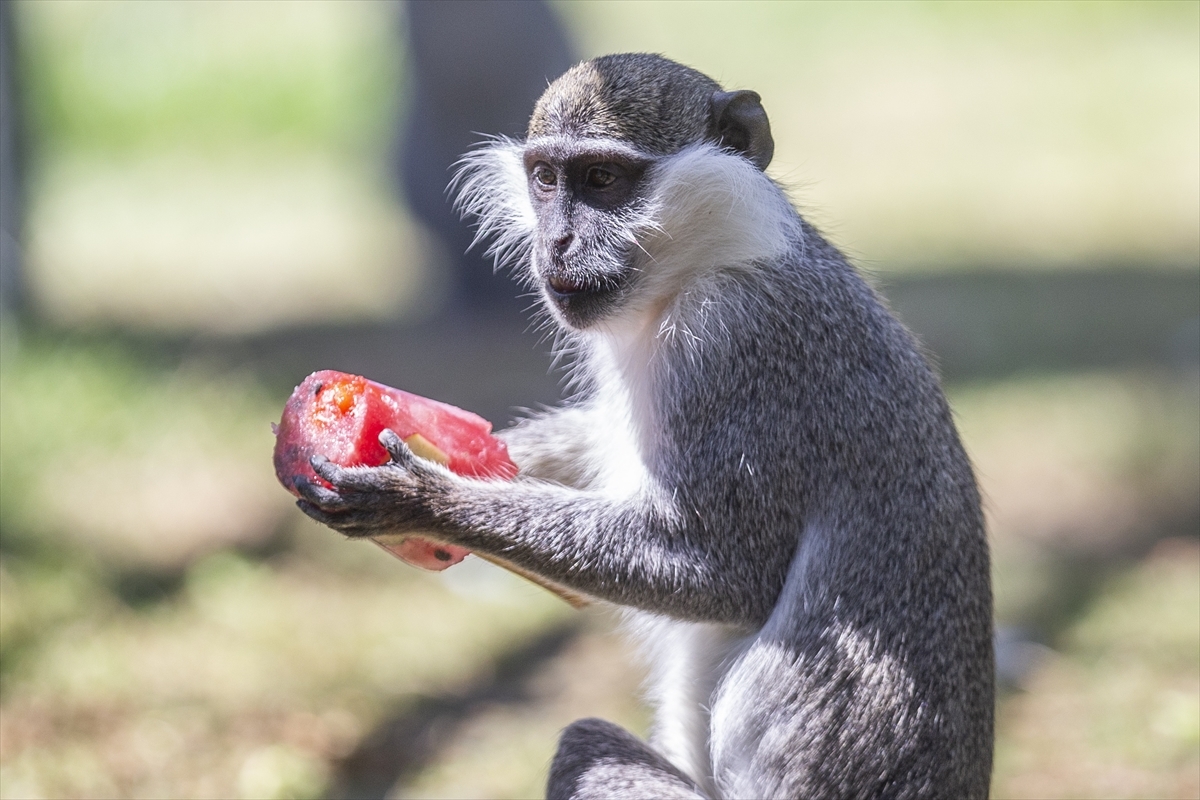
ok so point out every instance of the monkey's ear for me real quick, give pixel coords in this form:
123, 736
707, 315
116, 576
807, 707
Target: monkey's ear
737, 121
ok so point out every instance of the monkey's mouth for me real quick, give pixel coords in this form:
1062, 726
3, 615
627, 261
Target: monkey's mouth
583, 278
565, 287
586, 297
582, 300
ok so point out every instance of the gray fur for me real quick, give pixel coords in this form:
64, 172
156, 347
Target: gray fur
598, 761
655, 104
758, 450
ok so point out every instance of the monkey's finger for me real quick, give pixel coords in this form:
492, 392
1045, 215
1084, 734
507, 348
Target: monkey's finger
400, 452
347, 522
345, 479
318, 495
320, 515
327, 469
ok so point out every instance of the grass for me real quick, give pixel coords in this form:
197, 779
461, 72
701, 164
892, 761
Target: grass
112, 78
1116, 713
228, 244
210, 165
169, 626
257, 660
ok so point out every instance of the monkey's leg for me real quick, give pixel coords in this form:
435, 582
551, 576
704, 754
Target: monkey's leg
597, 760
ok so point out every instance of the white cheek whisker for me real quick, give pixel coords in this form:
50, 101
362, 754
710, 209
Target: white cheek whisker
489, 184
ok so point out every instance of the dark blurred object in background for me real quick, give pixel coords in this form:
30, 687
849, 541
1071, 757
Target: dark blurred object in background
477, 67
11, 184
992, 322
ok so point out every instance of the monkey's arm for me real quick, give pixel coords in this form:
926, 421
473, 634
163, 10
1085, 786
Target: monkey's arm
635, 551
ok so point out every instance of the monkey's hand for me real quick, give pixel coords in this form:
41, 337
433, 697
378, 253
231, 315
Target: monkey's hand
397, 497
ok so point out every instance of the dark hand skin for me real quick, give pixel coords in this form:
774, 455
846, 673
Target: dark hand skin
370, 501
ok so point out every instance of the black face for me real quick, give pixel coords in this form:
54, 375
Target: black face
587, 200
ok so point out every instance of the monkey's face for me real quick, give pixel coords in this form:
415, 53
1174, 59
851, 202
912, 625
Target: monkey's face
588, 198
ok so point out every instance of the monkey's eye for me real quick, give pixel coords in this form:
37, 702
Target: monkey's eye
599, 177
544, 175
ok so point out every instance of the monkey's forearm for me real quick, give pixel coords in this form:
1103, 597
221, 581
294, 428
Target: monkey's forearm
633, 552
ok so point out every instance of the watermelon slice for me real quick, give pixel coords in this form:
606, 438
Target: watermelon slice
340, 416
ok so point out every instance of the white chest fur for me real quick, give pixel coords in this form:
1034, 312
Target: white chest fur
621, 362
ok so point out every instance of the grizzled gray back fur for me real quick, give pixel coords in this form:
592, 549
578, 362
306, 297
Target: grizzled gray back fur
653, 103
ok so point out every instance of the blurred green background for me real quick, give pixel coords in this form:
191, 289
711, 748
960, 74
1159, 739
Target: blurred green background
1022, 181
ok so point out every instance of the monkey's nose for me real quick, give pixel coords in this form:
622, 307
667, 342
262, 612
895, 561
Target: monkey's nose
563, 243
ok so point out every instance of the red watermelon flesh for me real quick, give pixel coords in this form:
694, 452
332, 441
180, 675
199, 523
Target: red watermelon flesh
340, 416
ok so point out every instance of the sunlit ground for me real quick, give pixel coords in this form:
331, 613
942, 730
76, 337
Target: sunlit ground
171, 626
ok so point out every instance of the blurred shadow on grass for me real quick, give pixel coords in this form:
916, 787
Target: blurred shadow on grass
411, 737
981, 322
140, 587
994, 322
491, 365
1073, 578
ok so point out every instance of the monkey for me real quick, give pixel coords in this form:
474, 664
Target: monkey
757, 464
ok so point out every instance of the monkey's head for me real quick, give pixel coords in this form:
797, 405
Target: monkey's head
598, 143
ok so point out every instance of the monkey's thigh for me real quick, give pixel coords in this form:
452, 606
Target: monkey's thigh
599, 760
821, 716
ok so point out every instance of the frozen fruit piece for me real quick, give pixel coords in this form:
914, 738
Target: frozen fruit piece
340, 416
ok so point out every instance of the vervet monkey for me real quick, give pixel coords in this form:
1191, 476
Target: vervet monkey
759, 464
